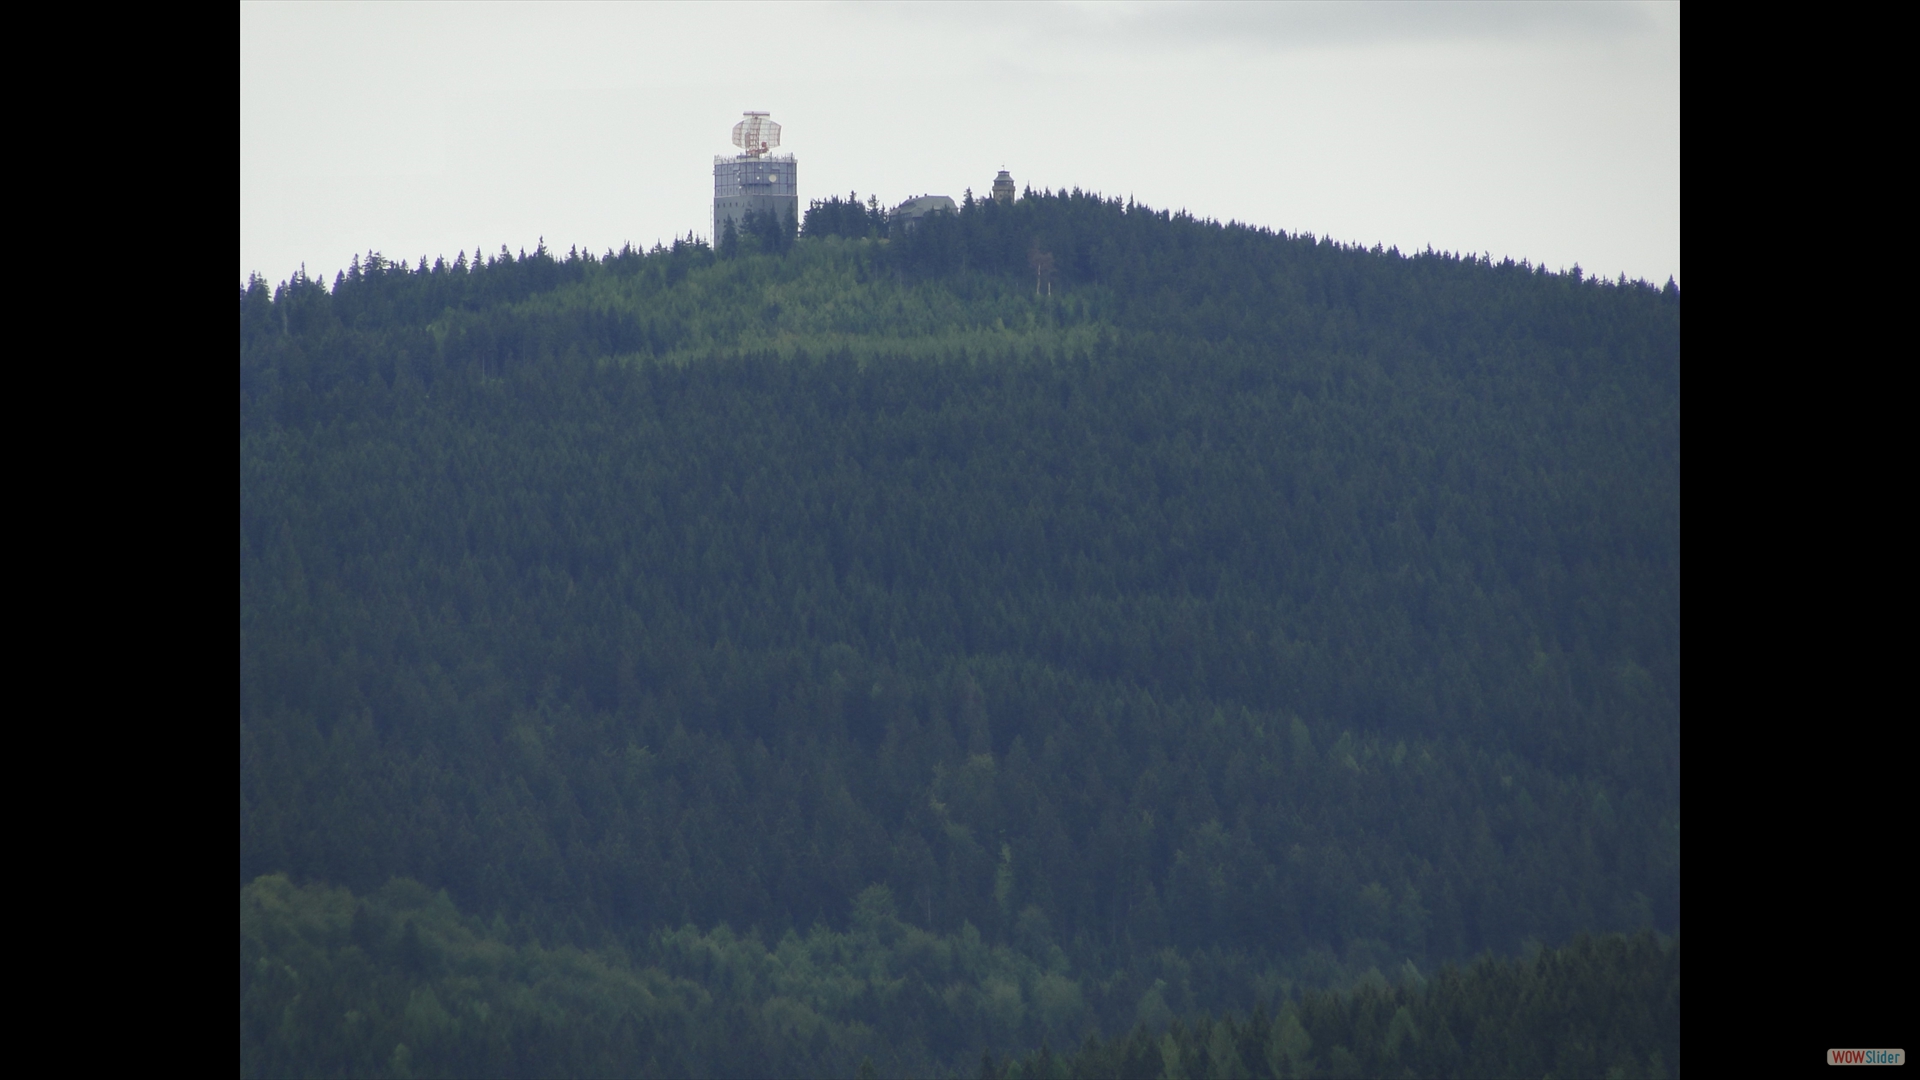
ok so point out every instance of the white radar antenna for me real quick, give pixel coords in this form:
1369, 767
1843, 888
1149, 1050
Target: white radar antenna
756, 134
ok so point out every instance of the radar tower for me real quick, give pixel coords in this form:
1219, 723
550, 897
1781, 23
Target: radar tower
755, 180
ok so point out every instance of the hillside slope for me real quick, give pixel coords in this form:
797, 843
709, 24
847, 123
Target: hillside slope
1214, 613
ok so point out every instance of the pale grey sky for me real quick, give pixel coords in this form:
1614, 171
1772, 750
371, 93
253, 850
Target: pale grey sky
1540, 131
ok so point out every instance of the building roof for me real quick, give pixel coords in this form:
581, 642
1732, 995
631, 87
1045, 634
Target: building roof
914, 209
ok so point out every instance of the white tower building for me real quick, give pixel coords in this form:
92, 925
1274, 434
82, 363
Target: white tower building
755, 179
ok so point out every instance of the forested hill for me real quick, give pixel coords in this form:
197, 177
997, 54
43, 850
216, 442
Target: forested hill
1122, 616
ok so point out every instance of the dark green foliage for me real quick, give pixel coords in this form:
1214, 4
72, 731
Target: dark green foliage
331, 985
1239, 614
334, 985
758, 234
848, 217
1607, 1006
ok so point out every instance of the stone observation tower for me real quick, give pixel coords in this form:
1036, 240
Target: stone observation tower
754, 179
1003, 188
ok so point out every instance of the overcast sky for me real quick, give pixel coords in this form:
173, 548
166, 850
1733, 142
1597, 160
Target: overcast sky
1536, 131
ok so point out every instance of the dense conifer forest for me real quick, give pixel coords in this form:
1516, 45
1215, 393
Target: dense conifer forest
1062, 639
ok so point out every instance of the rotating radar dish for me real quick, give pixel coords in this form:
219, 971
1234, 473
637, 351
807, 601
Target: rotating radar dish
756, 134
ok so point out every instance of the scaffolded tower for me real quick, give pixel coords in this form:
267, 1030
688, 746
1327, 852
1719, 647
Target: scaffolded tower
754, 180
